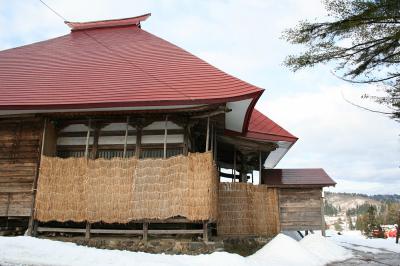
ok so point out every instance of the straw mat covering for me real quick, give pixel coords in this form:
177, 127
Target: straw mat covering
246, 209
122, 190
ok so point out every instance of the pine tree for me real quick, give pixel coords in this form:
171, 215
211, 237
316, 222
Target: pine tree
363, 40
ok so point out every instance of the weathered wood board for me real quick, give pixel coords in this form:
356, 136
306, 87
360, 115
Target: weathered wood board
19, 155
300, 209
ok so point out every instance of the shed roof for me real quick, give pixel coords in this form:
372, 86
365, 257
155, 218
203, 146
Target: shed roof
108, 64
309, 177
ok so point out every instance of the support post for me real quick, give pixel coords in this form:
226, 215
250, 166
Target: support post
212, 138
260, 167
145, 231
126, 136
205, 231
138, 141
35, 228
322, 214
252, 177
32, 225
234, 164
208, 133
215, 146
87, 232
87, 139
186, 141
165, 136
95, 141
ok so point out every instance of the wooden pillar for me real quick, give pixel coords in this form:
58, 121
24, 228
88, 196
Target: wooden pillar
32, 224
43, 136
88, 138
145, 231
208, 133
186, 141
95, 141
234, 164
260, 167
212, 138
215, 146
35, 228
205, 231
165, 136
322, 214
138, 140
87, 232
126, 136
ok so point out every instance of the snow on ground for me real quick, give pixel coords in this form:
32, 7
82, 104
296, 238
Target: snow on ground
355, 240
282, 250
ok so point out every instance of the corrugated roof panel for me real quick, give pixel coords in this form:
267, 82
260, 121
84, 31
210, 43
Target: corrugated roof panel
111, 66
309, 177
262, 128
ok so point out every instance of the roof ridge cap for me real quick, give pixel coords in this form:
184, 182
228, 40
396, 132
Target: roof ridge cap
108, 23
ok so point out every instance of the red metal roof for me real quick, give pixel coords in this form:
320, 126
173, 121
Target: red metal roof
309, 177
262, 128
111, 66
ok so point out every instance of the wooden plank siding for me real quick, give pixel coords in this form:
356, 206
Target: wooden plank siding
19, 155
300, 208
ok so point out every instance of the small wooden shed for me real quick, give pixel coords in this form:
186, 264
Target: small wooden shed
300, 196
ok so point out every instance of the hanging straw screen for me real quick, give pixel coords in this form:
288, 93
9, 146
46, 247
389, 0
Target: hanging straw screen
122, 190
246, 209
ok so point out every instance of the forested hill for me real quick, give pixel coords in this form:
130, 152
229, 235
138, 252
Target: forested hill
354, 203
336, 197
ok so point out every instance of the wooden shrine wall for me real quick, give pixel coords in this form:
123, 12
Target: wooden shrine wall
19, 156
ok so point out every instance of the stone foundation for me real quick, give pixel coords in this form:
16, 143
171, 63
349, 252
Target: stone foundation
243, 246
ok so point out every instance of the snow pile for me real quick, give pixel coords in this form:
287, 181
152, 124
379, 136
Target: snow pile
324, 249
355, 240
282, 250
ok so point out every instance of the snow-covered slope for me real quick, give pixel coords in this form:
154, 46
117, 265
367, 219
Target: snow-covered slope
346, 201
282, 250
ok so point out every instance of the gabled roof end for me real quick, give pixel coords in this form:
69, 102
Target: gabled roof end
132, 21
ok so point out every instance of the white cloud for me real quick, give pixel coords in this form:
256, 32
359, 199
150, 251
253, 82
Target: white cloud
351, 144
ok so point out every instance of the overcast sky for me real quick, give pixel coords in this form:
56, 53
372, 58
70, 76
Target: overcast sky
359, 149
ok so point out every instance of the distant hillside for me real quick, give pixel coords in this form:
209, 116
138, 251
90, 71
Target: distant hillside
354, 203
343, 202
387, 198
353, 211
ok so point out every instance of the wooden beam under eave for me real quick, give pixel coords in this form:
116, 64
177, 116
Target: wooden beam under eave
247, 145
